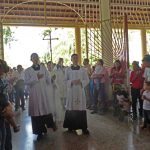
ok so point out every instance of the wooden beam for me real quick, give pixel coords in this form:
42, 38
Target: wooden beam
56, 13
39, 17
37, 6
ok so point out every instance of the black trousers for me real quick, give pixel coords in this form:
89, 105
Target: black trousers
5, 136
75, 119
39, 123
8, 140
2, 134
135, 93
11, 96
146, 117
19, 96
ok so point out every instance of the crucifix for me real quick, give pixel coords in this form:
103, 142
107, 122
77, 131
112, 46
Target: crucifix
50, 42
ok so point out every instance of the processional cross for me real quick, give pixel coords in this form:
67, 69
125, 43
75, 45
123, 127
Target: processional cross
50, 43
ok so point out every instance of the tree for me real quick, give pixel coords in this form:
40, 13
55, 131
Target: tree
8, 35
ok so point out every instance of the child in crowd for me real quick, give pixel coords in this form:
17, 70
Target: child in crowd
7, 112
124, 103
146, 104
123, 100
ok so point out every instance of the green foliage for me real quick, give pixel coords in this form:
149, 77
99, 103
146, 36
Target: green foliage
148, 31
7, 35
47, 32
46, 57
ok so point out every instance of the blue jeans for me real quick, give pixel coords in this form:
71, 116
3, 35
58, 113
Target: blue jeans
99, 96
92, 91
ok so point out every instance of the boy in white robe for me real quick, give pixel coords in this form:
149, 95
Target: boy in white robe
87, 67
59, 71
76, 79
58, 111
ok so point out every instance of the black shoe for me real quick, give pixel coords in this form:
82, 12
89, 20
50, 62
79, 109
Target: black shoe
115, 113
94, 112
86, 132
91, 108
101, 112
88, 107
121, 118
45, 130
134, 118
70, 130
17, 128
141, 116
39, 137
54, 127
16, 109
23, 109
143, 127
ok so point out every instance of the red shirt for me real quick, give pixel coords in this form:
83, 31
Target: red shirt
136, 79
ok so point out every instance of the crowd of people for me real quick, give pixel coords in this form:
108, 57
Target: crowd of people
58, 93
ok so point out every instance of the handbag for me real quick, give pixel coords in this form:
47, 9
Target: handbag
8, 111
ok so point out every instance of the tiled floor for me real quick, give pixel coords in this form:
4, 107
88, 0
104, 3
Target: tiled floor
106, 133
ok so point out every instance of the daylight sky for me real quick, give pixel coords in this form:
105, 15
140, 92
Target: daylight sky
30, 39
135, 47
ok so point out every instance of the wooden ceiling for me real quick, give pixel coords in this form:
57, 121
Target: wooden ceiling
70, 12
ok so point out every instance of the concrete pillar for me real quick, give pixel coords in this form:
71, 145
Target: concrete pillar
87, 48
78, 43
1, 42
106, 34
143, 41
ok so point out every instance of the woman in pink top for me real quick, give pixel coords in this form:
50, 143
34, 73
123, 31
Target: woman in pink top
117, 76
